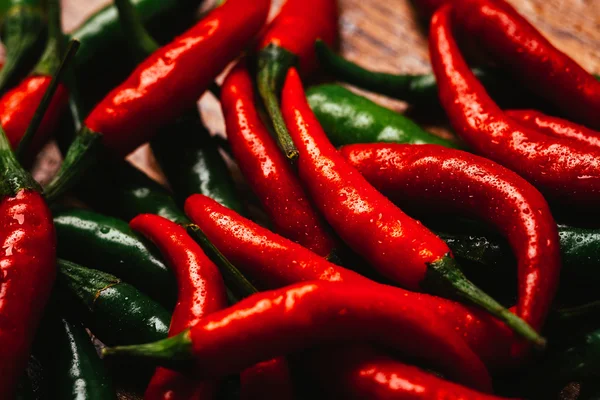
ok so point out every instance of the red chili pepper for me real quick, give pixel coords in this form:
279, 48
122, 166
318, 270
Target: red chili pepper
287, 320
266, 170
267, 380
27, 265
435, 177
519, 46
163, 86
564, 170
398, 246
201, 292
287, 41
377, 376
556, 127
272, 261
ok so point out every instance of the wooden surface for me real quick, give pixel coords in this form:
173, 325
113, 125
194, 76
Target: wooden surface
384, 35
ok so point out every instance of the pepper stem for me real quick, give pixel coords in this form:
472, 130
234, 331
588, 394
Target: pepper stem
83, 153
273, 64
139, 39
12, 176
50, 60
174, 352
35, 122
445, 278
233, 278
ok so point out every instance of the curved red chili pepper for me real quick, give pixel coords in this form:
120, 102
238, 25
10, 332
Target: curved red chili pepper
377, 376
201, 292
267, 170
287, 41
164, 85
27, 265
519, 46
272, 261
398, 246
296, 317
431, 176
268, 379
556, 127
563, 170
18, 106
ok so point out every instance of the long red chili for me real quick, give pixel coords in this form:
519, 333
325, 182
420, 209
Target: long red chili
201, 292
519, 46
287, 320
266, 169
435, 177
554, 126
268, 379
27, 265
163, 86
272, 261
290, 40
381, 377
564, 170
398, 246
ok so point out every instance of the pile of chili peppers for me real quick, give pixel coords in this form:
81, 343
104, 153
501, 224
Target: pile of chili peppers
324, 246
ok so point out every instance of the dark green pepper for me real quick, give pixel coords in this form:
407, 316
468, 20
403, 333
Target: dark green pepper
131, 193
72, 363
108, 244
116, 312
348, 118
22, 28
190, 159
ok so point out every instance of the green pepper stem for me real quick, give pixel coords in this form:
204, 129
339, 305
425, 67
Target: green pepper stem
174, 352
12, 176
273, 64
138, 38
83, 153
35, 122
233, 278
445, 278
54, 51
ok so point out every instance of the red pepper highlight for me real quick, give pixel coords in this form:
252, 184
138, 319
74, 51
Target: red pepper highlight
267, 170
520, 47
556, 127
564, 170
430, 177
272, 261
398, 246
201, 292
18, 106
296, 317
164, 85
289, 40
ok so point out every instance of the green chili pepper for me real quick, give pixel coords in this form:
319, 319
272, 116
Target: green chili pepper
72, 363
131, 193
22, 28
192, 163
115, 312
108, 244
349, 118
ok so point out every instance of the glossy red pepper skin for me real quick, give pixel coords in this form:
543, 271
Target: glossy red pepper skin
519, 46
295, 317
434, 177
201, 292
163, 86
272, 261
27, 272
268, 378
556, 127
267, 170
299, 24
18, 106
564, 170
378, 376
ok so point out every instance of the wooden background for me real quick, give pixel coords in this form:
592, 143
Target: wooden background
384, 35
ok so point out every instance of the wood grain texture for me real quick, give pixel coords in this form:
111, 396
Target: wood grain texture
385, 35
